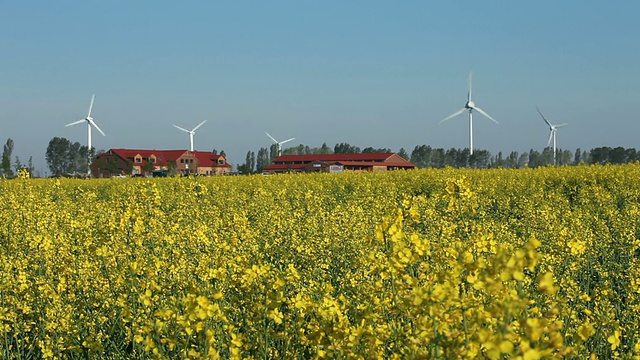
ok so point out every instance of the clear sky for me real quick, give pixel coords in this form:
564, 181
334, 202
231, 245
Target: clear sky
369, 73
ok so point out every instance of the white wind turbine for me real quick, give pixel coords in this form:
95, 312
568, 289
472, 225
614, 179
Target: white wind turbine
470, 106
552, 133
191, 132
279, 143
90, 122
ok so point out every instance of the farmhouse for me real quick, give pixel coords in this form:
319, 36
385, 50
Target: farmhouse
145, 162
338, 163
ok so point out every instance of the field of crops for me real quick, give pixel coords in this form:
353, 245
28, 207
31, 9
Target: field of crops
420, 264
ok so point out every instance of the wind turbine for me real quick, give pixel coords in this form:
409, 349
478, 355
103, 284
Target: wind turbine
279, 143
552, 133
191, 132
90, 122
470, 106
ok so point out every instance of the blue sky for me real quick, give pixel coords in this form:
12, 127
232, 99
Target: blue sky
370, 73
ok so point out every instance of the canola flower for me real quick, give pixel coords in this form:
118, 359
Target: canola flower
447, 263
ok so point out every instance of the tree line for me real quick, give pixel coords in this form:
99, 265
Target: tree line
424, 156
65, 157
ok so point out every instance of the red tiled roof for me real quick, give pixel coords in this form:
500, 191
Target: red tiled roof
287, 167
205, 158
368, 163
274, 167
335, 157
162, 156
209, 159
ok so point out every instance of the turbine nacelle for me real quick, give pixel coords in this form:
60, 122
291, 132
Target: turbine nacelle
90, 123
190, 132
469, 106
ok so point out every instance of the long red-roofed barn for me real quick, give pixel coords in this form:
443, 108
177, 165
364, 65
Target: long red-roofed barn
338, 163
145, 162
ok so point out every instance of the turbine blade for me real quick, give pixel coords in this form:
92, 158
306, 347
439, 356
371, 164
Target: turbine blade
196, 128
93, 97
469, 93
271, 137
453, 115
561, 125
485, 114
76, 122
96, 126
544, 118
183, 129
286, 141
550, 137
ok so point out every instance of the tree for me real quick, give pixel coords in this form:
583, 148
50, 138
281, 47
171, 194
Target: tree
263, 160
534, 158
148, 167
631, 154
600, 155
273, 152
371, 150
421, 156
17, 165
172, 168
63, 156
618, 155
30, 167
344, 148
523, 160
6, 158
576, 157
564, 157
479, 159
512, 160
247, 168
403, 153
324, 149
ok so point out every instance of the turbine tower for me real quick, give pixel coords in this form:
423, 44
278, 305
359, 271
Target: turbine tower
552, 133
191, 132
279, 143
470, 106
90, 123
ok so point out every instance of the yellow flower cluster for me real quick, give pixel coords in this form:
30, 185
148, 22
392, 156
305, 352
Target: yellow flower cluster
448, 263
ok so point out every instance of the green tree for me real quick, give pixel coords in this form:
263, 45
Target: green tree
372, 150
576, 157
403, 154
56, 155
148, 167
344, 148
17, 165
30, 165
6, 158
324, 149
172, 166
263, 159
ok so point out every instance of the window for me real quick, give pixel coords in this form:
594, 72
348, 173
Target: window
191, 161
181, 161
153, 160
138, 160
220, 162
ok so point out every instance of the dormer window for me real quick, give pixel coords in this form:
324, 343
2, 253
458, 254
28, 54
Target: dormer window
220, 162
138, 159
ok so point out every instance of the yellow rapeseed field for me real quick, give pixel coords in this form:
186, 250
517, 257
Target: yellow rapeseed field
451, 263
